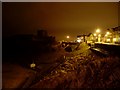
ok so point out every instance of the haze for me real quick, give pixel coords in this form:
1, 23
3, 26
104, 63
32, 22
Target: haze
59, 19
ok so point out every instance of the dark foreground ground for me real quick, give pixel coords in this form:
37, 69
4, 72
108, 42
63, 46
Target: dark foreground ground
82, 69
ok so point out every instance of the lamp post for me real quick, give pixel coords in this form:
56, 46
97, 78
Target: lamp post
108, 37
98, 35
98, 31
68, 37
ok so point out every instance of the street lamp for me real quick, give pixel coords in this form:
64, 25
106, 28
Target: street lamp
114, 39
68, 36
99, 35
32, 65
108, 36
98, 31
95, 34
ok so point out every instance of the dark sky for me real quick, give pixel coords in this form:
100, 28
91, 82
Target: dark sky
59, 19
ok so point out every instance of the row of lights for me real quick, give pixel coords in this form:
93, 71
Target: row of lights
97, 35
107, 34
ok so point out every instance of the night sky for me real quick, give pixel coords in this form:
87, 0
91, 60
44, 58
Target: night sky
59, 19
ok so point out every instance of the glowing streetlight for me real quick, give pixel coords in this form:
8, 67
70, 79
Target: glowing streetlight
68, 36
32, 65
98, 31
99, 35
95, 34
